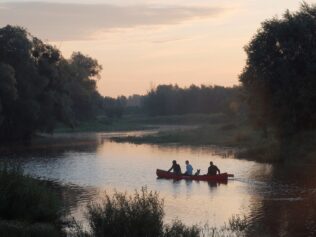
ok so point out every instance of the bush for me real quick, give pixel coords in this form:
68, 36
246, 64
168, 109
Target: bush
142, 215
238, 223
24, 198
177, 228
28, 207
20, 229
122, 215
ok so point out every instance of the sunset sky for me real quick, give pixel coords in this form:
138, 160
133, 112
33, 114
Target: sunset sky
143, 43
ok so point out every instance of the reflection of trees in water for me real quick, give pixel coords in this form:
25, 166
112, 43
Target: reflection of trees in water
287, 208
73, 195
51, 146
282, 217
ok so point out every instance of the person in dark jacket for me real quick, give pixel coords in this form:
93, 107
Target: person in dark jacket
175, 167
212, 169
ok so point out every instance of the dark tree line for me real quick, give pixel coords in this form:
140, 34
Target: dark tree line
279, 79
171, 99
39, 87
114, 107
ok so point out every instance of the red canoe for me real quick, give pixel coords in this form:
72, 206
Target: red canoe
169, 175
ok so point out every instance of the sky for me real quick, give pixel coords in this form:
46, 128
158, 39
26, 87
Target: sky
143, 43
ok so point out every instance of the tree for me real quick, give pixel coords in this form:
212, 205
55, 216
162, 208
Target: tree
82, 72
28, 71
114, 107
38, 87
170, 99
279, 79
8, 91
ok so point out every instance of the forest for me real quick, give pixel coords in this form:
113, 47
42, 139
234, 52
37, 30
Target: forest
40, 89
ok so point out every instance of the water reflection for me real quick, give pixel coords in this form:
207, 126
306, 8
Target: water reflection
278, 199
288, 207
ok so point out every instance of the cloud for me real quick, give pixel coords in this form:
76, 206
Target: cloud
61, 21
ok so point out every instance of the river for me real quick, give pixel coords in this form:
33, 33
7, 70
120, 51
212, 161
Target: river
278, 199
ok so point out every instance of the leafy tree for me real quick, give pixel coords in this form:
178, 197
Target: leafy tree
8, 91
114, 107
38, 87
81, 72
279, 77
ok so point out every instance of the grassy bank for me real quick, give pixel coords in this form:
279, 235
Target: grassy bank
250, 143
217, 130
218, 134
103, 125
140, 122
28, 207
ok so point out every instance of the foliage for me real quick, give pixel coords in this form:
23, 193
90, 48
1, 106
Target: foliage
22, 197
114, 107
21, 229
177, 228
184, 119
121, 215
38, 87
142, 215
80, 73
223, 134
237, 223
27, 207
171, 100
279, 77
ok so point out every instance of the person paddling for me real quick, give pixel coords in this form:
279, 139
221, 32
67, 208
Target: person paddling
212, 169
175, 167
189, 168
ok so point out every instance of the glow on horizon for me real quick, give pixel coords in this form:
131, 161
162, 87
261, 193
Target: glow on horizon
141, 43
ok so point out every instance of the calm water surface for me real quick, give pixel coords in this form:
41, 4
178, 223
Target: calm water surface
279, 200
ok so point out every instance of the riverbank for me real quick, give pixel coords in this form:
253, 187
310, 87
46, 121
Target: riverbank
140, 122
216, 129
203, 129
103, 125
28, 207
225, 131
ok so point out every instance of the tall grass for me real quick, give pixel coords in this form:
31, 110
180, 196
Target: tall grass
122, 215
141, 215
28, 207
217, 134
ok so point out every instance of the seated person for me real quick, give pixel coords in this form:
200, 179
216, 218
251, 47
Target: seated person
212, 169
175, 167
189, 168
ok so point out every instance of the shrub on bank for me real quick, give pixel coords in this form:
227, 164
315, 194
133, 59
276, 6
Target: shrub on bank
21, 229
177, 228
122, 215
28, 207
141, 215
